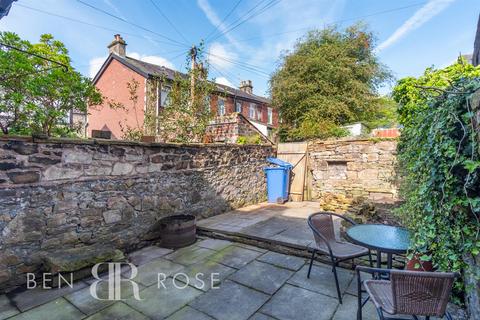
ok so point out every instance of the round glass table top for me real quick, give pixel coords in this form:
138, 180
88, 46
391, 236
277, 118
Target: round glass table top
380, 237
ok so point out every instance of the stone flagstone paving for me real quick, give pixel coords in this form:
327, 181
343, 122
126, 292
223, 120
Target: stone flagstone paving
253, 284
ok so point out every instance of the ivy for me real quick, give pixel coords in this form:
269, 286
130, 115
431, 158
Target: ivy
438, 155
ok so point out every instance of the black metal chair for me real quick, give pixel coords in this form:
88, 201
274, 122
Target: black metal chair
321, 224
413, 293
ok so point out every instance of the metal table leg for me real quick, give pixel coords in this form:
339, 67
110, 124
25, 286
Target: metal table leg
389, 261
379, 259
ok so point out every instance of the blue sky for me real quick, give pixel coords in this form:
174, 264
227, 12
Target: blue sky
417, 35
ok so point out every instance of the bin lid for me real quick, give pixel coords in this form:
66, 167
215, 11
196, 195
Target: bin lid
279, 162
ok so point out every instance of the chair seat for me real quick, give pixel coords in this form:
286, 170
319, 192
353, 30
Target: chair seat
344, 250
380, 291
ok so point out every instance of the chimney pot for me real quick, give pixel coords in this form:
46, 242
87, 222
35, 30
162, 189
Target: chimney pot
246, 86
118, 46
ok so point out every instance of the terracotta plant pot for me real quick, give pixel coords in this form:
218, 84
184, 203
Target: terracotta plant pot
415, 264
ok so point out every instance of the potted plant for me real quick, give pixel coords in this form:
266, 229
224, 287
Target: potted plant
419, 260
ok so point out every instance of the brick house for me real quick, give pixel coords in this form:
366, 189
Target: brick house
119, 69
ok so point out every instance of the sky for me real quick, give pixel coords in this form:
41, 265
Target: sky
245, 39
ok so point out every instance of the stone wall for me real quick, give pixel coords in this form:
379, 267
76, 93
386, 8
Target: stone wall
62, 194
229, 128
353, 168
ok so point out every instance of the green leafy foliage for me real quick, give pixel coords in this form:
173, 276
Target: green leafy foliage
410, 92
329, 79
185, 119
253, 139
439, 165
36, 95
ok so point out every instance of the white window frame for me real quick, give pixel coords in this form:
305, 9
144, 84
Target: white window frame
238, 106
221, 110
252, 111
259, 112
269, 115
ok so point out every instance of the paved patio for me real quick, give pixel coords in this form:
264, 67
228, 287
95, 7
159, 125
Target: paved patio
252, 283
277, 224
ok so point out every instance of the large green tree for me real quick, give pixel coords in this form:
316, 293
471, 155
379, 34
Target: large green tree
36, 93
329, 79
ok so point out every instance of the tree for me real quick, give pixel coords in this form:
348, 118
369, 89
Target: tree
328, 80
412, 94
39, 94
184, 119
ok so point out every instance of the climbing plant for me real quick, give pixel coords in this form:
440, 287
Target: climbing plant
439, 163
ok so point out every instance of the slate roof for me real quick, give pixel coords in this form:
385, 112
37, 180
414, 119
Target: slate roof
149, 69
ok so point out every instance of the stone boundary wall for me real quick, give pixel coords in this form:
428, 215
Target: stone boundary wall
353, 168
61, 194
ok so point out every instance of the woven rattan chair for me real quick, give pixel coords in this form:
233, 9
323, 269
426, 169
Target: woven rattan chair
321, 224
413, 293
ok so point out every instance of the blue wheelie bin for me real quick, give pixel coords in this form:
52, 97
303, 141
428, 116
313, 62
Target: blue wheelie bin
278, 180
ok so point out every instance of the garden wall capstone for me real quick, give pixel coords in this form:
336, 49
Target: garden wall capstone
350, 168
61, 194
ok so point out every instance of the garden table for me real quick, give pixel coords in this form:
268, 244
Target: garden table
381, 238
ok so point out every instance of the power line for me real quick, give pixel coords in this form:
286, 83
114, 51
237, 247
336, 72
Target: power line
223, 20
95, 25
245, 17
65, 67
243, 66
129, 22
168, 20
239, 62
335, 22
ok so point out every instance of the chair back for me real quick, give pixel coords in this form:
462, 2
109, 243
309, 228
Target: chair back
321, 223
421, 293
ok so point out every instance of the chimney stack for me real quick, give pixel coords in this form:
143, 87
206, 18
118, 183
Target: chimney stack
118, 46
246, 86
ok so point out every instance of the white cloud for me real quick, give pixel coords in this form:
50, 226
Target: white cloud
423, 15
219, 56
161, 61
224, 81
96, 63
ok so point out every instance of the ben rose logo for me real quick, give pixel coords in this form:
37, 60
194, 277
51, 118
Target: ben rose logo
114, 278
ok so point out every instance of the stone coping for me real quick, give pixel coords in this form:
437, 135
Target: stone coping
97, 141
350, 139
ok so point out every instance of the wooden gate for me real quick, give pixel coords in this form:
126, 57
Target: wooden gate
296, 154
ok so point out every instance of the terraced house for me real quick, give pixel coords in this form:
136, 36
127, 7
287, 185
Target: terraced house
119, 69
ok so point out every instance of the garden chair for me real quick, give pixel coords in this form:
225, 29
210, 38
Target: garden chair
413, 293
321, 224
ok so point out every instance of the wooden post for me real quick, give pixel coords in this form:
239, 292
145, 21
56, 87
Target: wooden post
193, 76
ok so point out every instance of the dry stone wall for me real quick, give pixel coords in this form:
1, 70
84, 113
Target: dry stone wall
65, 194
353, 168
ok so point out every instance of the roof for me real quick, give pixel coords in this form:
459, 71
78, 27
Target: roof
153, 70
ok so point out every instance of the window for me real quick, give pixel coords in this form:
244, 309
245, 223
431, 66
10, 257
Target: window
164, 95
259, 113
221, 107
270, 116
238, 107
252, 111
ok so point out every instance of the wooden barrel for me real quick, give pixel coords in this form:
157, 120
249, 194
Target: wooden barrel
178, 231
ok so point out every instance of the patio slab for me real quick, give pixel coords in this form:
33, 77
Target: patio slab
148, 273
235, 257
7, 309
159, 302
188, 313
231, 301
118, 311
58, 309
282, 260
189, 255
262, 276
147, 254
322, 280
292, 302
205, 270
